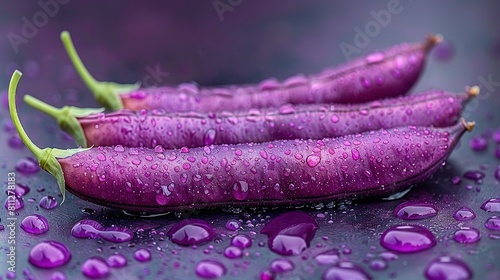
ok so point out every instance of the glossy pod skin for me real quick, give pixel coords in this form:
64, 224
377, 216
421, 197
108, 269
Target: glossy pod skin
383, 74
274, 173
314, 121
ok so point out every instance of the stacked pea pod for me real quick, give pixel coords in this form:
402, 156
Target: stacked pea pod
342, 133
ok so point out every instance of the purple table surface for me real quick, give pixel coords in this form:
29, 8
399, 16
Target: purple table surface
242, 41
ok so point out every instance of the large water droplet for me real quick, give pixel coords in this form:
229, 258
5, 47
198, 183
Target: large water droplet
407, 239
95, 267
467, 235
491, 205
48, 202
493, 223
93, 229
35, 224
191, 232
233, 252
242, 241
240, 190
328, 257
18, 189
415, 210
313, 160
345, 271
281, 266
49, 254
209, 137
116, 261
27, 165
290, 233
142, 255
210, 269
478, 143
464, 214
445, 268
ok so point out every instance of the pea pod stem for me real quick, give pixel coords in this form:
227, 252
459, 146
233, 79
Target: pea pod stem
47, 157
104, 92
66, 117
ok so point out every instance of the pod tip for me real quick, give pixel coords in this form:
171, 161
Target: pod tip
432, 40
472, 91
468, 125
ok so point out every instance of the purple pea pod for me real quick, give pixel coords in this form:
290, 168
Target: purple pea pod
373, 163
384, 74
90, 127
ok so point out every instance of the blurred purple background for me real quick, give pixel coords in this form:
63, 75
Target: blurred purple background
124, 41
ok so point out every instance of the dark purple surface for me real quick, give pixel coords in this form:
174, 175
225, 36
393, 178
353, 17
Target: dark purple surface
254, 41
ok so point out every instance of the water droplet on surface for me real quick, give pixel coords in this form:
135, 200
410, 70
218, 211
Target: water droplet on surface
335, 119
491, 205
407, 239
93, 229
15, 142
493, 223
290, 233
116, 261
444, 51
233, 252
49, 254
446, 268
15, 201
366, 83
415, 210
95, 268
240, 190
328, 257
313, 160
35, 224
191, 232
281, 266
378, 265
48, 202
27, 165
345, 271
233, 225
478, 143
242, 241
142, 255
57, 275
467, 235
456, 180
19, 189
497, 173
474, 175
210, 269
119, 149
209, 137
464, 214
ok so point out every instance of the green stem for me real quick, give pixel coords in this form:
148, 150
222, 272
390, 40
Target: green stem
106, 93
67, 117
47, 158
